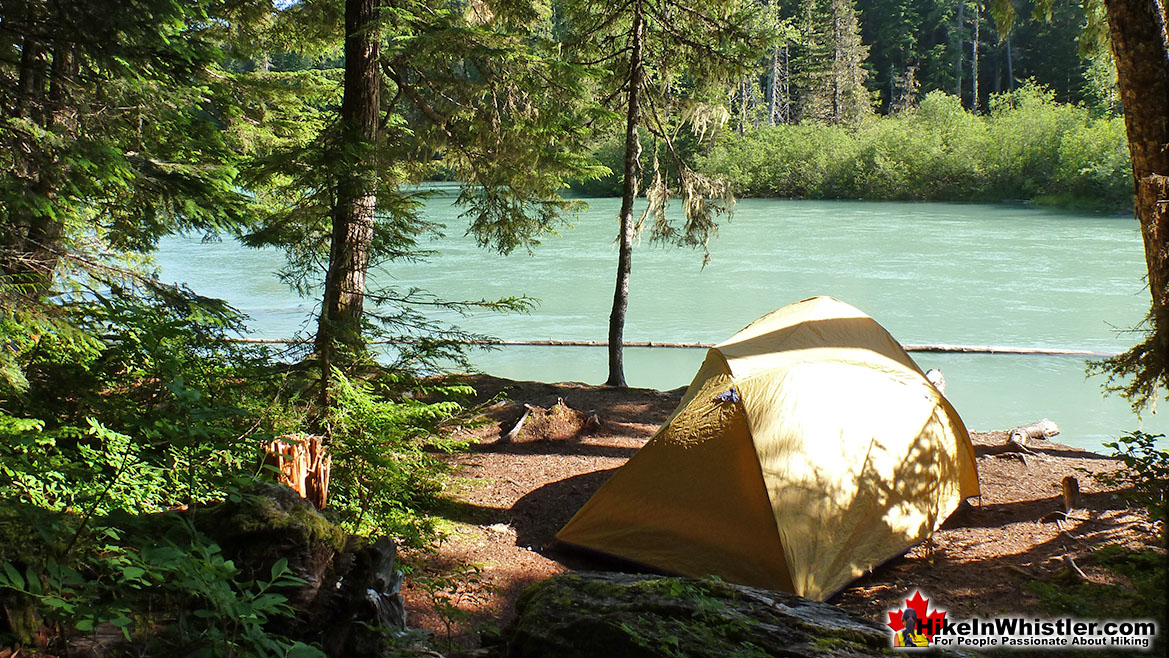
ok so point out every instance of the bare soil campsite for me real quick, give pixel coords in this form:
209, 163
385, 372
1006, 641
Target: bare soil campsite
507, 498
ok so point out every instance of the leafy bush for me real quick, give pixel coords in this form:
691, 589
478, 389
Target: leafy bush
129, 572
131, 402
147, 379
1145, 472
1027, 147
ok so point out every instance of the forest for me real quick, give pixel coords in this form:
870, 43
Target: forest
139, 438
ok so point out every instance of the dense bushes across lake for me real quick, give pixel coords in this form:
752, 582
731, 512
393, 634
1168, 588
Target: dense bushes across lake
1027, 147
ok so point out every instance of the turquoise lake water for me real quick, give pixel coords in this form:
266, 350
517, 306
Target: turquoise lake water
930, 273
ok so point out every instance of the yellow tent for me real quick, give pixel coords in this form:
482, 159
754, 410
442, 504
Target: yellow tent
808, 449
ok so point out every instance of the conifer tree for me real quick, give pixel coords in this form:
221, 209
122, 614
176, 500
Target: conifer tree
117, 129
473, 91
832, 63
661, 61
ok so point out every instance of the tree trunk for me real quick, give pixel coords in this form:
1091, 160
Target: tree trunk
1142, 65
773, 86
1141, 49
974, 61
1010, 68
629, 186
892, 90
30, 241
783, 88
960, 24
743, 105
837, 64
356, 192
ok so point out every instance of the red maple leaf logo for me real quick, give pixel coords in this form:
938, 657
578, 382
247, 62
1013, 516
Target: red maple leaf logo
930, 622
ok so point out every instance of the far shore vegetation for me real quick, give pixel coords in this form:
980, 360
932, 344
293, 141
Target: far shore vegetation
1026, 147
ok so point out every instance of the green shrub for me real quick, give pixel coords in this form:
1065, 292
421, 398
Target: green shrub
131, 572
1094, 162
1145, 473
1027, 147
132, 402
385, 475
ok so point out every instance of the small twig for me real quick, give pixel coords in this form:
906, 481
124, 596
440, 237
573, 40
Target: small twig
1053, 516
1072, 563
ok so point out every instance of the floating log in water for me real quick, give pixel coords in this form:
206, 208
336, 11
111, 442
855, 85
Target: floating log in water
933, 349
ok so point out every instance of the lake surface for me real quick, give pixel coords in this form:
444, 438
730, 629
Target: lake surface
930, 273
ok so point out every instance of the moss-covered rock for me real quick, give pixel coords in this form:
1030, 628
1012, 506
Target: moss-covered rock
620, 615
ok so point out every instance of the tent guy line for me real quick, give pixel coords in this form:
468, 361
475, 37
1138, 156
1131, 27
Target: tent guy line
936, 349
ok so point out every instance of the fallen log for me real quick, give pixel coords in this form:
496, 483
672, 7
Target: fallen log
1016, 443
1012, 445
1040, 429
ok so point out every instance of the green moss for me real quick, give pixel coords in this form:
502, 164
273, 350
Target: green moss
671, 617
272, 511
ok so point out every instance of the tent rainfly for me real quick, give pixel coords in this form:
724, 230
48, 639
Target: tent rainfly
808, 449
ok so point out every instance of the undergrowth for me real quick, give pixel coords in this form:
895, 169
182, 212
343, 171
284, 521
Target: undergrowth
131, 403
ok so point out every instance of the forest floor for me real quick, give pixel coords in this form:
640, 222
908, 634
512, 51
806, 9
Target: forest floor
507, 500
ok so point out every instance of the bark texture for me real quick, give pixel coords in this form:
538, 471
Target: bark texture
1142, 63
632, 174
356, 196
1141, 49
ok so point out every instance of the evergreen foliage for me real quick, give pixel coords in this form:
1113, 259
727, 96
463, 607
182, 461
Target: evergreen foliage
659, 64
113, 131
146, 408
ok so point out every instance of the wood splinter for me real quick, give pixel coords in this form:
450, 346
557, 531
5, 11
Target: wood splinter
1070, 488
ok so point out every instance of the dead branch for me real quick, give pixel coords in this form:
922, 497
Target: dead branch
515, 431
1067, 558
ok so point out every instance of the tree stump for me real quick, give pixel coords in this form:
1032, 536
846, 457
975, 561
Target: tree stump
303, 464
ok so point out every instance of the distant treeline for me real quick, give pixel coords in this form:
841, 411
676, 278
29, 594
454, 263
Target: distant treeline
1028, 147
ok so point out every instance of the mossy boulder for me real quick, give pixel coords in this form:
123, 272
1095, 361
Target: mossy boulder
587, 614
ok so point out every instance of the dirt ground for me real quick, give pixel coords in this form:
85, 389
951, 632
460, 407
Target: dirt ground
509, 498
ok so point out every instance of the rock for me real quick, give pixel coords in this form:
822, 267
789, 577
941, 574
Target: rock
587, 614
